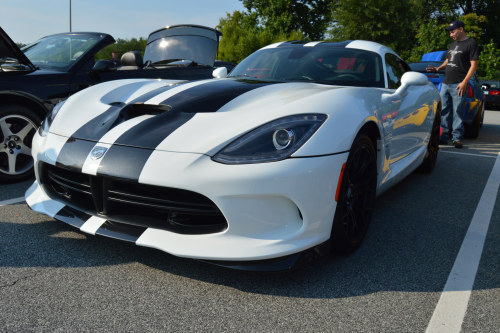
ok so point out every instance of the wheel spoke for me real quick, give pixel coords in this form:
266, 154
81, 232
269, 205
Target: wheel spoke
12, 160
5, 128
25, 150
25, 131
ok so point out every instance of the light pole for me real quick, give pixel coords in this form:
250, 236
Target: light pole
69, 15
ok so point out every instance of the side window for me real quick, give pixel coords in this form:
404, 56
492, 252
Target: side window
395, 70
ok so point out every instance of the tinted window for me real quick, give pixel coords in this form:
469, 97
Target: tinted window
395, 69
330, 65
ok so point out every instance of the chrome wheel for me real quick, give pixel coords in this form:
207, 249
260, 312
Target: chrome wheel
16, 135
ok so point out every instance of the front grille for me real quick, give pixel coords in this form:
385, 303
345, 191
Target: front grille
132, 203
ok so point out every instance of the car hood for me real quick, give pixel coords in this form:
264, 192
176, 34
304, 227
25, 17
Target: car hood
181, 116
9, 49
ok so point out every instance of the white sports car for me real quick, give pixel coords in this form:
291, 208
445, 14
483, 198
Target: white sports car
283, 157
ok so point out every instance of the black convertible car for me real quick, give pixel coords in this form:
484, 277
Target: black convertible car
34, 79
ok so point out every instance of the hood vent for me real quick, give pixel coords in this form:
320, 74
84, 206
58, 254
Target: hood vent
139, 109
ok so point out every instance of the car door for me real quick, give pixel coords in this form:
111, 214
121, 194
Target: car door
410, 113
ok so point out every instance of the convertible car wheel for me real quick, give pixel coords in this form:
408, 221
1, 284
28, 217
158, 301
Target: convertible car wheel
17, 127
432, 147
356, 197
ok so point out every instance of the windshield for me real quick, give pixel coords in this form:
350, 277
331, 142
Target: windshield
329, 65
193, 43
59, 52
491, 84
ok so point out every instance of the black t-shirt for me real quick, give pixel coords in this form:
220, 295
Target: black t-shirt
459, 57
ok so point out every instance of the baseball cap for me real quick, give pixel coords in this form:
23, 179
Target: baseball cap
455, 25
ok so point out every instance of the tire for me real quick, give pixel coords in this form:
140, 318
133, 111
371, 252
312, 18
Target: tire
356, 198
432, 147
472, 130
18, 125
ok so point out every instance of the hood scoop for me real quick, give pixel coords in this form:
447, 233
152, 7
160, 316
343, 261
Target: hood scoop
117, 113
140, 109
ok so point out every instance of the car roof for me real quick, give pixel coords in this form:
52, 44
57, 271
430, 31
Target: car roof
350, 44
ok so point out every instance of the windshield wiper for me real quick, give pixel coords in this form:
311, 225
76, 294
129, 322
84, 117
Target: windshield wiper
176, 62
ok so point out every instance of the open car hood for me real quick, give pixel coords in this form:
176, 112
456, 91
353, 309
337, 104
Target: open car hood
9, 49
172, 44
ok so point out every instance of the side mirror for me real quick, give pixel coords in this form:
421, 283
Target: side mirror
220, 72
104, 65
414, 79
408, 79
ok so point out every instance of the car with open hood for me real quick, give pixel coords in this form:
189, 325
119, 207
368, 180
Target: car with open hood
279, 160
34, 79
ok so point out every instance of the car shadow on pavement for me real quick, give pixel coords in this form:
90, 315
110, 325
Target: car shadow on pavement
408, 249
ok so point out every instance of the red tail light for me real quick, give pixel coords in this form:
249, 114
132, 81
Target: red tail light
470, 92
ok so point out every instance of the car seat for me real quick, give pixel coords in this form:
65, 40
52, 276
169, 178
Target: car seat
131, 60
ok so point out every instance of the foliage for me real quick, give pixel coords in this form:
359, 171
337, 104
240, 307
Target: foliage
311, 17
121, 46
489, 59
431, 36
241, 36
392, 23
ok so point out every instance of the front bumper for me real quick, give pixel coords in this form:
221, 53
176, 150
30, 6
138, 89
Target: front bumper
272, 210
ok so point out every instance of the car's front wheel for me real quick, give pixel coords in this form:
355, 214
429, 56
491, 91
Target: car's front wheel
18, 124
356, 197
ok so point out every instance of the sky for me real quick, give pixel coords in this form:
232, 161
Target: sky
25, 21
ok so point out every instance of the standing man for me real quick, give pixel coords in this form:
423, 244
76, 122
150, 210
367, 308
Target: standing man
460, 65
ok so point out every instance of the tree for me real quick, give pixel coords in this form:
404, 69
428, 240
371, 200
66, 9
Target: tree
392, 23
121, 46
310, 17
431, 36
241, 35
489, 62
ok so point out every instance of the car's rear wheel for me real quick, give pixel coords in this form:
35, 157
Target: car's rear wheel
356, 197
472, 130
432, 147
18, 124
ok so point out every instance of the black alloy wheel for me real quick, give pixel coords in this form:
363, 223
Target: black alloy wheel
18, 125
356, 198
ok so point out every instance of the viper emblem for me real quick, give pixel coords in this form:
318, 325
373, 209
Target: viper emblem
98, 152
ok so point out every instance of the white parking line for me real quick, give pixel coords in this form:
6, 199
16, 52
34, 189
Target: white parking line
467, 154
450, 311
11, 201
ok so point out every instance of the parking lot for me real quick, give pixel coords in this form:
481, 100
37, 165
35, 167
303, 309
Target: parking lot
413, 273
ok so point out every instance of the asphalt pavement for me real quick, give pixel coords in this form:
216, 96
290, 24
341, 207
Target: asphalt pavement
56, 279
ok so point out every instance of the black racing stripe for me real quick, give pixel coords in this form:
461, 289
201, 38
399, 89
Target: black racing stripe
97, 127
74, 153
72, 216
124, 162
121, 231
149, 133
211, 96
153, 93
100, 125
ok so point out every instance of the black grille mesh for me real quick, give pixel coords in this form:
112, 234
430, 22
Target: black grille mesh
132, 203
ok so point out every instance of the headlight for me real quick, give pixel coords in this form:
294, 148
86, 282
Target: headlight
43, 130
271, 142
